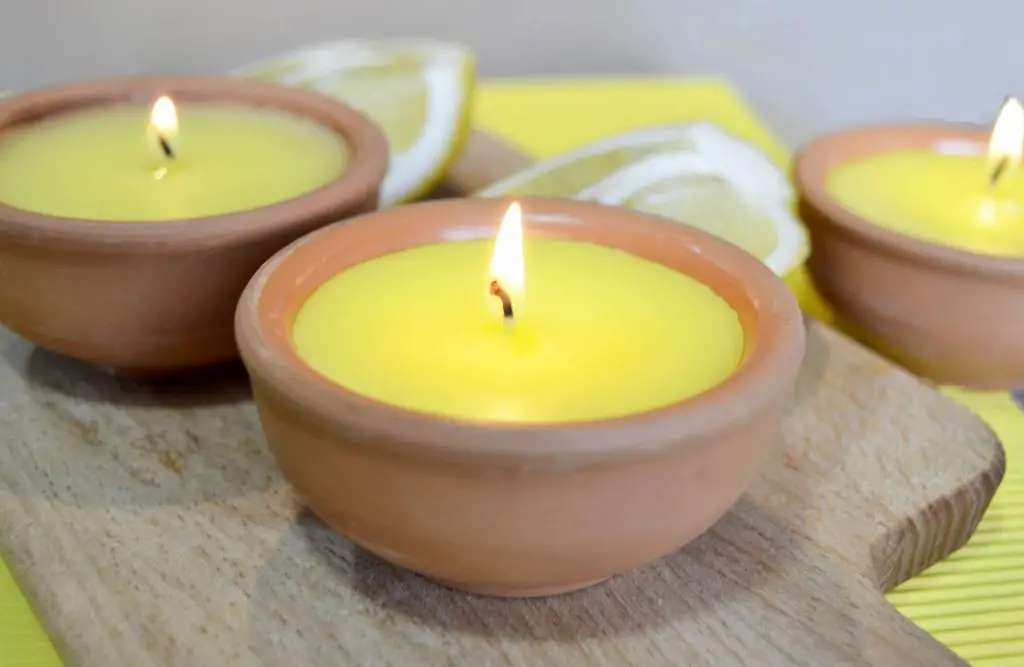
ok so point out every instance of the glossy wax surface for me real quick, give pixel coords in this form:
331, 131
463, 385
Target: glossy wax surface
603, 334
101, 164
940, 197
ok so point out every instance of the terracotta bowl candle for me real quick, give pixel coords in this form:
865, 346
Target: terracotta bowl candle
917, 236
520, 408
133, 211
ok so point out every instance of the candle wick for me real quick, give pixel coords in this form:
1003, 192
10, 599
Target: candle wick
998, 172
506, 302
165, 146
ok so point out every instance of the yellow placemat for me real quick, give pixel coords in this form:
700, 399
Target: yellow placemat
974, 602
22, 640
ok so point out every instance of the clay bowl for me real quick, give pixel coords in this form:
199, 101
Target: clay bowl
950, 315
159, 297
517, 510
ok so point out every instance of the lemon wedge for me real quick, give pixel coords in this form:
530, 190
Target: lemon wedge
697, 174
418, 92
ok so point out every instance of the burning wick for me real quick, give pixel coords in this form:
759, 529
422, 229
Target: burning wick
998, 172
165, 147
506, 302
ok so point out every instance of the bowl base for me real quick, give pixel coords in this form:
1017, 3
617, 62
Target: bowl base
933, 372
513, 592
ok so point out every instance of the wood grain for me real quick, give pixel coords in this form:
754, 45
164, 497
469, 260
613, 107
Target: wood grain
149, 526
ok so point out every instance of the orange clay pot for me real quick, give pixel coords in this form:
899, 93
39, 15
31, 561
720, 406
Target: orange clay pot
151, 298
517, 510
950, 315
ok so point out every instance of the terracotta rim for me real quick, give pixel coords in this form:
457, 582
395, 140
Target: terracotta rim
769, 314
366, 167
815, 161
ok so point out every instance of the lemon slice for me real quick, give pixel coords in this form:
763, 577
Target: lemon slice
417, 91
698, 174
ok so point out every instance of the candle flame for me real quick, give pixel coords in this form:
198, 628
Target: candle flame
507, 260
164, 117
1006, 144
163, 131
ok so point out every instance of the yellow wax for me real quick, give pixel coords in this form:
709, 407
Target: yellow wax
939, 197
100, 164
603, 334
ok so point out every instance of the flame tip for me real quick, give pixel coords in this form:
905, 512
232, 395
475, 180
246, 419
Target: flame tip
164, 116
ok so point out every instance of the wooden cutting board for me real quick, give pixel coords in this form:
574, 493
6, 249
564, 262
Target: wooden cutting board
149, 527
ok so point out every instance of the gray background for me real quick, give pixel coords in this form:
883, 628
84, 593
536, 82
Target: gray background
808, 65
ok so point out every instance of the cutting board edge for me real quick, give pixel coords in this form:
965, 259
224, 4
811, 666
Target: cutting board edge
931, 535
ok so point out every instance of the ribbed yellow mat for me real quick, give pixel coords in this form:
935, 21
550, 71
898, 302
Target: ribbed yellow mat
22, 641
974, 602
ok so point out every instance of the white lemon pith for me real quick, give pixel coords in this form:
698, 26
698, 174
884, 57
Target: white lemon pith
697, 174
418, 92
